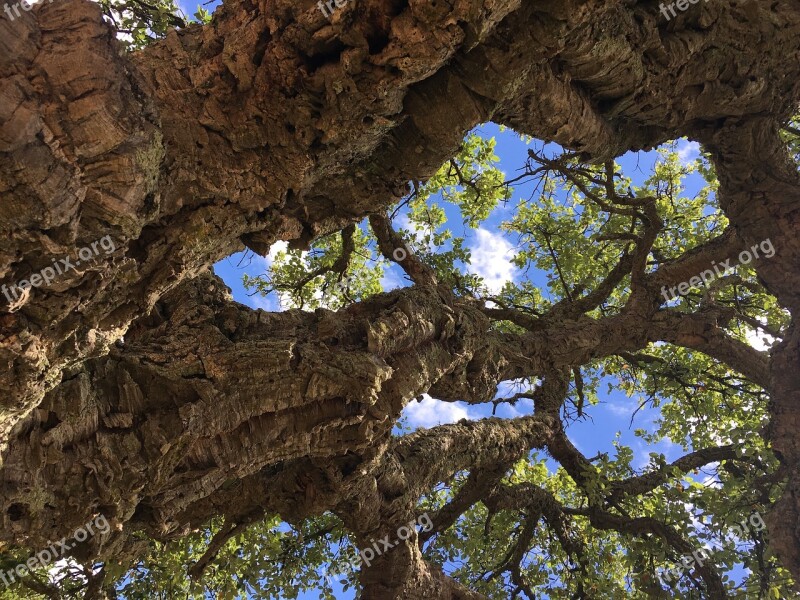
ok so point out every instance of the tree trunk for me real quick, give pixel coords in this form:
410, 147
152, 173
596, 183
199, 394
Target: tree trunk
133, 386
762, 199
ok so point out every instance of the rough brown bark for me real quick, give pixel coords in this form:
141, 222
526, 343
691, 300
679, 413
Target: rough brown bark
135, 387
760, 192
294, 385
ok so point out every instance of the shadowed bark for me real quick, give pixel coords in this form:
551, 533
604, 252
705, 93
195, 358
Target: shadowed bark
760, 192
133, 386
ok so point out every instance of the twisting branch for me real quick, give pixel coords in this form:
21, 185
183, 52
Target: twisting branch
341, 263
479, 483
577, 466
631, 263
536, 503
394, 248
647, 526
463, 180
642, 484
468, 445
229, 530
512, 400
512, 564
554, 258
792, 130
33, 583
615, 204
550, 395
339, 266
694, 331
571, 308
519, 315
695, 261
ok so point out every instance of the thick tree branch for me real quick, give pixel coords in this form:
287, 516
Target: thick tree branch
229, 530
636, 486
394, 248
760, 194
646, 526
477, 487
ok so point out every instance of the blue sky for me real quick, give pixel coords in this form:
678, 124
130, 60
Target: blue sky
491, 251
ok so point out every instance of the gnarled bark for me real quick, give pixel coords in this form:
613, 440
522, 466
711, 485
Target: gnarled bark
135, 387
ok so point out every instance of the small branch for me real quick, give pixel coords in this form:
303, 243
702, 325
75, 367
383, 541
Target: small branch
38, 586
229, 529
554, 258
792, 130
393, 248
479, 483
646, 526
514, 315
463, 180
649, 481
576, 373
695, 261
694, 331
569, 174
341, 263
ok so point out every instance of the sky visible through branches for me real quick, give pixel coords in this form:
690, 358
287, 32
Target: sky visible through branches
565, 368
614, 421
619, 419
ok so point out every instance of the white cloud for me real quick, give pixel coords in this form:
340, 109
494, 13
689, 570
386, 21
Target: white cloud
491, 259
688, 151
620, 410
279, 246
624, 407
759, 340
418, 230
524, 406
431, 412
